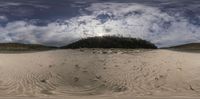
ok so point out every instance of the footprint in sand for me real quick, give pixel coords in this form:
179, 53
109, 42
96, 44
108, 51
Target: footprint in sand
76, 79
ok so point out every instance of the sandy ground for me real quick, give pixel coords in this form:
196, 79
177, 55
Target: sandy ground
100, 74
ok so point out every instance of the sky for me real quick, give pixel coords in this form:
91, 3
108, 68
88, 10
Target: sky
60, 22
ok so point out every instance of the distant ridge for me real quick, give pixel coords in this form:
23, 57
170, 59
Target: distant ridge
190, 46
111, 42
23, 47
90, 42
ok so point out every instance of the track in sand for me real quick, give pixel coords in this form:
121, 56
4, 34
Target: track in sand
100, 73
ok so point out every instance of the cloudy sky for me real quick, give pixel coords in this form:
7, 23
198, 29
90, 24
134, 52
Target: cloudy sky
60, 22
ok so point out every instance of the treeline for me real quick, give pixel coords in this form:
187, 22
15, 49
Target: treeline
90, 42
111, 42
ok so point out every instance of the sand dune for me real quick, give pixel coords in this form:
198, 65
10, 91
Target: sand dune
97, 74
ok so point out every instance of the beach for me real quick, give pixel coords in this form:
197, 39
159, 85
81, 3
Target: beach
100, 74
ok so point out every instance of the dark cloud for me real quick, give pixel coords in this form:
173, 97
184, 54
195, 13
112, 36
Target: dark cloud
58, 22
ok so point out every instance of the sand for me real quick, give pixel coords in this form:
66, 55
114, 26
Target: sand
100, 74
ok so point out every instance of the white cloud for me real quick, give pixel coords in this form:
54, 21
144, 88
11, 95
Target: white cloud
3, 18
140, 21
5, 4
127, 19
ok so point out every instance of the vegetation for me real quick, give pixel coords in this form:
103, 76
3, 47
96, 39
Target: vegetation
22, 47
90, 42
111, 42
190, 46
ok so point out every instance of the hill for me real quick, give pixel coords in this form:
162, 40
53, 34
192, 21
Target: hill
190, 46
111, 42
23, 47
